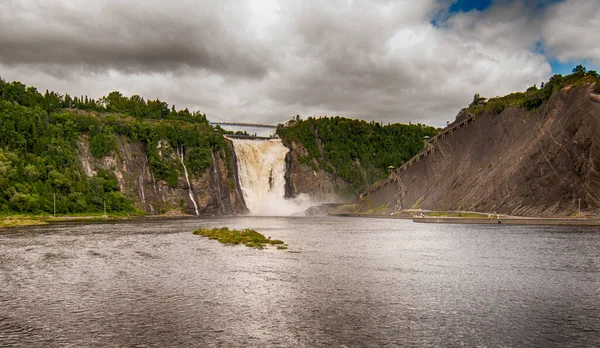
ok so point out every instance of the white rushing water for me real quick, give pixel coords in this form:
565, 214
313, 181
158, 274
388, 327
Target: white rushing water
187, 179
261, 171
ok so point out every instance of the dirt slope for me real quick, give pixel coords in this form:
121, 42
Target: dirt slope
516, 162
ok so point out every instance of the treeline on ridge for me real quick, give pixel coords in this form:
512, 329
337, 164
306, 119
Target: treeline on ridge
114, 102
533, 97
358, 151
39, 137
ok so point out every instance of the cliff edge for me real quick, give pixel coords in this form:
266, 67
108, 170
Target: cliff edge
518, 162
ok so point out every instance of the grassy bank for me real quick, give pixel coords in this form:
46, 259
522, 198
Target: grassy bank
470, 215
12, 220
249, 238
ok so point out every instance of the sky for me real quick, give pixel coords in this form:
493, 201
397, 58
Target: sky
269, 60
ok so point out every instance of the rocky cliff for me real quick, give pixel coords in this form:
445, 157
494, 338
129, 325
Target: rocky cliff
519, 162
302, 178
216, 191
213, 190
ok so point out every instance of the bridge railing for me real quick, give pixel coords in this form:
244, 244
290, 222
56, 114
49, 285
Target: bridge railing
248, 137
242, 124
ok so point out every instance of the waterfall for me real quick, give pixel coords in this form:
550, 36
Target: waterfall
217, 183
141, 184
187, 179
261, 171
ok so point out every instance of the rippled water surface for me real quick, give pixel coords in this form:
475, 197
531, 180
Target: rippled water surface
343, 282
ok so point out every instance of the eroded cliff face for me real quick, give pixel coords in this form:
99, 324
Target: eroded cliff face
301, 178
213, 191
516, 162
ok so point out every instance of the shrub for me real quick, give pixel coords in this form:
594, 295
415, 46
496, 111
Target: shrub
495, 106
533, 100
249, 238
198, 159
102, 144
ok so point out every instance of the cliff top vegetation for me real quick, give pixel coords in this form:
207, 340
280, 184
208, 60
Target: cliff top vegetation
358, 151
39, 135
533, 97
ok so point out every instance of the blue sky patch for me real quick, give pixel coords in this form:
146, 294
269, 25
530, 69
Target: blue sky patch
470, 5
567, 68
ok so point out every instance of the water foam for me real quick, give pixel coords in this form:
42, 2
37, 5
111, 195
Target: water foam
261, 175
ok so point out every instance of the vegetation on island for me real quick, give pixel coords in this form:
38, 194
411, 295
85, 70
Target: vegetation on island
39, 135
247, 237
355, 150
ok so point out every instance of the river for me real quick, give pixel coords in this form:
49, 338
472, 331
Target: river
344, 282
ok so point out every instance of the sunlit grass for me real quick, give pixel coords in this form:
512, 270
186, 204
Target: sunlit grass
12, 221
247, 237
345, 209
457, 214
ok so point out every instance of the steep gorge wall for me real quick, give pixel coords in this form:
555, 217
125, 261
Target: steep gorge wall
517, 162
301, 178
216, 191
213, 190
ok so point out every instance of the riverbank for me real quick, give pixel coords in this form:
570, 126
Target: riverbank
510, 221
16, 220
472, 218
372, 216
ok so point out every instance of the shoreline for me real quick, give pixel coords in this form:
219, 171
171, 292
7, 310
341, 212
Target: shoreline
501, 220
372, 216
510, 221
9, 221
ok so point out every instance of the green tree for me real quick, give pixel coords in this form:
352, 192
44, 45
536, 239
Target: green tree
579, 70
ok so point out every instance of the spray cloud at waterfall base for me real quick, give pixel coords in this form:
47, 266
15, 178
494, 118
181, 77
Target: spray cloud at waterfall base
261, 175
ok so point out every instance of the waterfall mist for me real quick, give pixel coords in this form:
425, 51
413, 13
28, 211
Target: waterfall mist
261, 170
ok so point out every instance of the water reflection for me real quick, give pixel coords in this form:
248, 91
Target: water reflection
352, 282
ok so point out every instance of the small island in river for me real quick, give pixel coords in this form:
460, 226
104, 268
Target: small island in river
249, 238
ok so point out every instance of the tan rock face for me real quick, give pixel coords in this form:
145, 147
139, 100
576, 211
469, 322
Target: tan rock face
302, 179
214, 190
536, 163
85, 155
137, 182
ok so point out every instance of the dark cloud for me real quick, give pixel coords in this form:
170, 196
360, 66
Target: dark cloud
145, 37
271, 59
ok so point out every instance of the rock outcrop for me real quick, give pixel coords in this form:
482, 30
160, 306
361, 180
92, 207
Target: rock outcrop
302, 178
519, 162
213, 190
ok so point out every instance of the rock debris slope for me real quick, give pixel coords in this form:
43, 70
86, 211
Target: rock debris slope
530, 163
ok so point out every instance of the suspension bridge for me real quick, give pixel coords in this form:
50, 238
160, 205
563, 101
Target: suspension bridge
267, 132
243, 124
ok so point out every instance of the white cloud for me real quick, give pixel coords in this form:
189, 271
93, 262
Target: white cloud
570, 31
265, 61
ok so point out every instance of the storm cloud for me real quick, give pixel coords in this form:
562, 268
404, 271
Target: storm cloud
131, 37
266, 61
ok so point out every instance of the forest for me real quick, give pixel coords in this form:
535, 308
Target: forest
358, 151
38, 147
